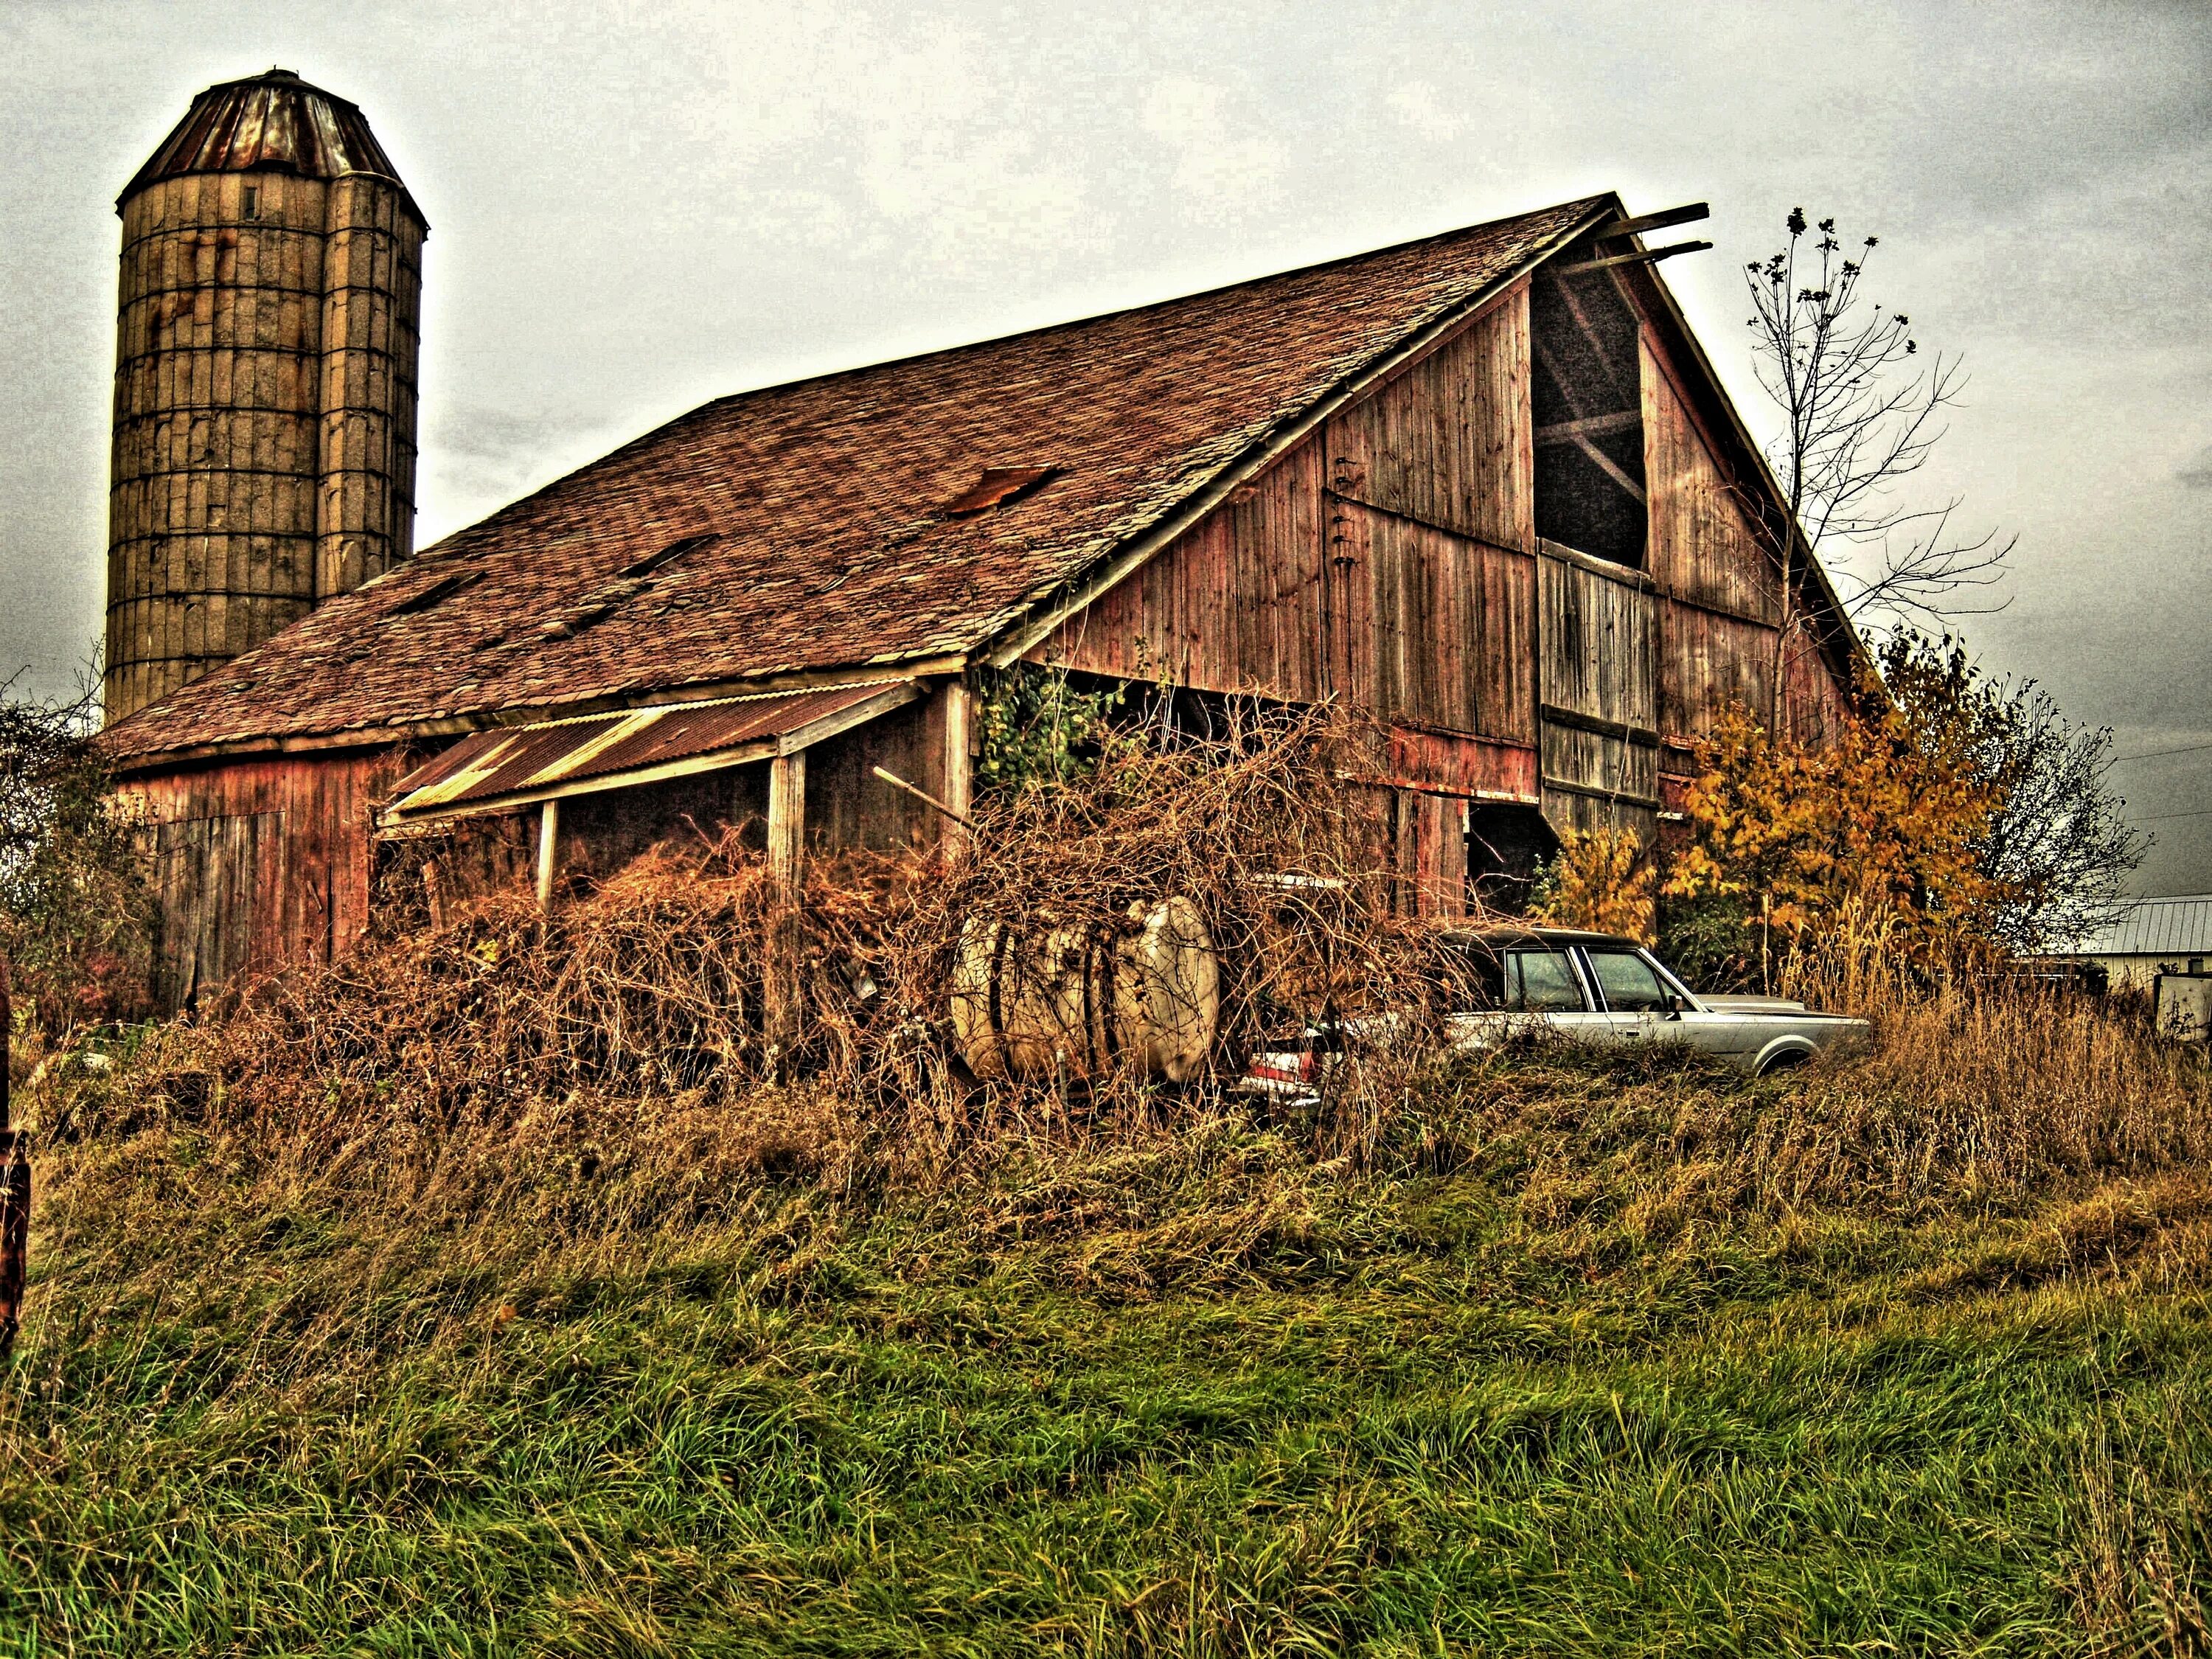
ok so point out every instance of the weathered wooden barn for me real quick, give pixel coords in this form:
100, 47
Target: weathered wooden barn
1485, 485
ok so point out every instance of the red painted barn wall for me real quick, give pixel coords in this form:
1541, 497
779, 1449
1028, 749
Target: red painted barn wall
259, 862
1390, 560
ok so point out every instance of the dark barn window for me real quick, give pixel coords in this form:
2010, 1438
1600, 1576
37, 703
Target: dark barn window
1588, 408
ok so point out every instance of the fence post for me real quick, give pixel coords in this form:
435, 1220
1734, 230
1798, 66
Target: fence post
14, 1182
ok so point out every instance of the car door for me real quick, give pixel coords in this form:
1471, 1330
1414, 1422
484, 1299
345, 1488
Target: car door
1636, 1002
1548, 987
1646, 1004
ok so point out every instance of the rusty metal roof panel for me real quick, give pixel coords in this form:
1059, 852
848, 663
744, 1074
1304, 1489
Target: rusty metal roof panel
518, 763
273, 120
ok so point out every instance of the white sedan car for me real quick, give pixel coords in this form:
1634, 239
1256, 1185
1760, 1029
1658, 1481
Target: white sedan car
1589, 988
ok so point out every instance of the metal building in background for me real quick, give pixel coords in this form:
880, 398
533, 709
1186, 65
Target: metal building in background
264, 451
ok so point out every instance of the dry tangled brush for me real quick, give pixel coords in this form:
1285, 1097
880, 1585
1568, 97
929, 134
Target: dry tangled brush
626, 1033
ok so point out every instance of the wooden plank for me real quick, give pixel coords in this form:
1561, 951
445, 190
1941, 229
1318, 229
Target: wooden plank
1597, 642
786, 866
947, 776
1647, 257
1707, 662
1667, 218
1236, 606
549, 853
1594, 763
1448, 440
786, 822
1592, 426
1704, 546
1432, 852
1571, 809
1431, 628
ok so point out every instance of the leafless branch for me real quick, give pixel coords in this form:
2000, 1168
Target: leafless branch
1861, 415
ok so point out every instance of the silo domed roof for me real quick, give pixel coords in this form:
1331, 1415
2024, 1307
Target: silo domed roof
273, 120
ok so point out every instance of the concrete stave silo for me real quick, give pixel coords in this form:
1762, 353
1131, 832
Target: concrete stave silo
267, 342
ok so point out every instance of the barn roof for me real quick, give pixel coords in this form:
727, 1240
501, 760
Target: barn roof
814, 526
2177, 926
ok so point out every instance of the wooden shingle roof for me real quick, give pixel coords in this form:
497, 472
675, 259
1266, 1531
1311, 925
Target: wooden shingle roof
809, 522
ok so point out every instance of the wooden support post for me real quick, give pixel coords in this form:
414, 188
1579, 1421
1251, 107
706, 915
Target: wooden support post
786, 824
548, 852
956, 779
786, 869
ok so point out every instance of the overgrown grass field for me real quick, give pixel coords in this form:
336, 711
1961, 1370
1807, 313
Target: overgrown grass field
1582, 1356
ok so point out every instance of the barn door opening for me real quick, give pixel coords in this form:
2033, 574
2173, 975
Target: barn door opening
1598, 686
1506, 845
1587, 396
215, 880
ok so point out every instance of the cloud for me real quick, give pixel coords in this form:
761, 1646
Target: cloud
2198, 474
1224, 158
1416, 105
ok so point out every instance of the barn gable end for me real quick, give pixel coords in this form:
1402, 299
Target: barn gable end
1392, 562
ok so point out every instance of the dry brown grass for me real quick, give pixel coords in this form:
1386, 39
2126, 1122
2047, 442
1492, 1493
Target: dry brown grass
607, 1067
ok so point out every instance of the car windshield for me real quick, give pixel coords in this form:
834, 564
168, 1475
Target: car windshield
1541, 982
1629, 985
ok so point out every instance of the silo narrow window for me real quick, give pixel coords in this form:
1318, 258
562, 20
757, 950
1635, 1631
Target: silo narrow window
252, 203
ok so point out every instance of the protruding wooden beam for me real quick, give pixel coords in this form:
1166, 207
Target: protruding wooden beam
1649, 256
1590, 426
1660, 221
952, 814
1610, 467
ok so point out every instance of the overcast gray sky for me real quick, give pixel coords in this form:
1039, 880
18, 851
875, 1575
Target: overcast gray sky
636, 207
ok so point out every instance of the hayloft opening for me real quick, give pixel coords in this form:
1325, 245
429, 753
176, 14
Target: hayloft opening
435, 594
1000, 486
1588, 407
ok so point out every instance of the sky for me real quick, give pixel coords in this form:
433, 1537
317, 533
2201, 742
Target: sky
636, 207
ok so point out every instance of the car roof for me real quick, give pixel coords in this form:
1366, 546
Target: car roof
1522, 935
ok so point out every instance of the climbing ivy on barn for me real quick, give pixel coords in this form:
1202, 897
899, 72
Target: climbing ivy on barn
1040, 730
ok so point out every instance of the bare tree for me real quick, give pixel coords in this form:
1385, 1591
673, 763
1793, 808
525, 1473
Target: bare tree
1862, 412
2059, 847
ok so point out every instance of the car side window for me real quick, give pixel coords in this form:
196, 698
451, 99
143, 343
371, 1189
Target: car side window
1629, 984
1479, 981
1541, 982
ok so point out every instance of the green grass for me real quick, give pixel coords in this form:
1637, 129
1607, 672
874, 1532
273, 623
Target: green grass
1197, 1397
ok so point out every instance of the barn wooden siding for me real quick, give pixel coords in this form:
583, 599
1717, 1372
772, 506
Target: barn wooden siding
266, 863
1391, 561
259, 862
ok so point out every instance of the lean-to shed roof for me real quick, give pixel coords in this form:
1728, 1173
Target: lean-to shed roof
815, 526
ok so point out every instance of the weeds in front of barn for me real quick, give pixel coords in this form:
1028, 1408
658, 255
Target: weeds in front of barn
343, 1341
